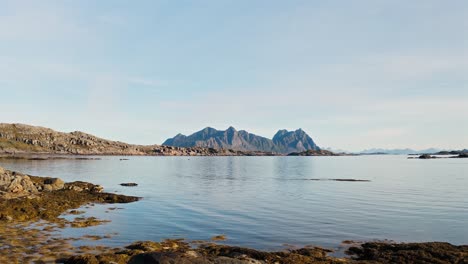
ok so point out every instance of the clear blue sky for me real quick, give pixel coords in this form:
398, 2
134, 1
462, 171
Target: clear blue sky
353, 74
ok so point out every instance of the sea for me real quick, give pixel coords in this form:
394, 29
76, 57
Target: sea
271, 203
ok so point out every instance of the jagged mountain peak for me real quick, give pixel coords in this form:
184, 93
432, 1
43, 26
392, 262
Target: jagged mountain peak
284, 141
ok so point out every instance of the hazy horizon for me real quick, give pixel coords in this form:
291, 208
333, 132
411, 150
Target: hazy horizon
353, 75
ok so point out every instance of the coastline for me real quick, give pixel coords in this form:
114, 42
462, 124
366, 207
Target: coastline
30, 218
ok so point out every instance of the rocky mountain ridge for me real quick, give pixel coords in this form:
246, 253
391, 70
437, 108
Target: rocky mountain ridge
26, 139
283, 142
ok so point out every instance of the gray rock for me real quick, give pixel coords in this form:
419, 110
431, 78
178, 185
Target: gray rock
283, 142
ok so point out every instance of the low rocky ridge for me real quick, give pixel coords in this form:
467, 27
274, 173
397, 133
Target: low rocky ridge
283, 142
321, 152
24, 139
429, 156
452, 152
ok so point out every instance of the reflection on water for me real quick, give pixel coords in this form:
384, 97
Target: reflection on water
258, 201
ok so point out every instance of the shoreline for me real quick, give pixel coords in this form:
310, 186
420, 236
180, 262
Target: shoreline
30, 219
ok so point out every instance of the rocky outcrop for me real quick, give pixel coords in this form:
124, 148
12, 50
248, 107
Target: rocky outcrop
294, 141
26, 197
14, 185
283, 142
18, 138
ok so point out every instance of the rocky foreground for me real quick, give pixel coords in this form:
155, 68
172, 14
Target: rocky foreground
24, 197
32, 209
180, 252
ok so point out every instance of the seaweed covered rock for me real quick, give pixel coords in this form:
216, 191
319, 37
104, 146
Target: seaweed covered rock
24, 197
431, 252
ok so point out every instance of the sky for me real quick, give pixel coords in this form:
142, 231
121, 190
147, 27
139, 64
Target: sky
352, 74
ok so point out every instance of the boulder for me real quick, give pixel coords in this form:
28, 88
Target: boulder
15, 185
53, 184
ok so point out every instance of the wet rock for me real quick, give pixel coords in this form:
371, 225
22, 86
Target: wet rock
83, 259
219, 238
53, 184
81, 222
76, 212
432, 252
338, 180
6, 218
426, 156
129, 184
167, 258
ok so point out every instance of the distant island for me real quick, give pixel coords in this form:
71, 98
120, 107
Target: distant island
284, 141
405, 151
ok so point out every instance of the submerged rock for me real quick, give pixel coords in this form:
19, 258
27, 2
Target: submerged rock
129, 184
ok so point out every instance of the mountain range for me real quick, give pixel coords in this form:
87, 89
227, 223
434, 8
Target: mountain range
283, 142
26, 139
398, 151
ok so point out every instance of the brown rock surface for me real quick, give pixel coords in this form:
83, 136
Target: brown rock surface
24, 197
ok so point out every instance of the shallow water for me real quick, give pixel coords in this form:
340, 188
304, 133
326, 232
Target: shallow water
266, 202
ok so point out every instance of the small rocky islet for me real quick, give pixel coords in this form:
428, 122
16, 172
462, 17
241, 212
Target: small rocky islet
32, 207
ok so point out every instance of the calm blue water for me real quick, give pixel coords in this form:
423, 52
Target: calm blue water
265, 202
